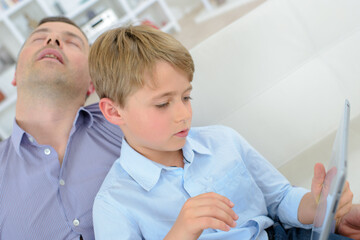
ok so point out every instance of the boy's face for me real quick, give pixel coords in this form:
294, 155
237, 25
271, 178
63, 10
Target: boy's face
158, 119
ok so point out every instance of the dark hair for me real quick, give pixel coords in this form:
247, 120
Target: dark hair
61, 19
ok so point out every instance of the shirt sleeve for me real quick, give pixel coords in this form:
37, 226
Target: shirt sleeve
111, 223
282, 199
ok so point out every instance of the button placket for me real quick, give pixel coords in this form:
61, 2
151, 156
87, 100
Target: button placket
47, 151
209, 184
76, 222
62, 182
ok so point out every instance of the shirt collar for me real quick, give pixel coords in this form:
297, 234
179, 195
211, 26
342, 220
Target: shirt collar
146, 172
16, 136
83, 116
194, 145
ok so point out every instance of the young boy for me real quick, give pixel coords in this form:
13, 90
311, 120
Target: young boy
173, 181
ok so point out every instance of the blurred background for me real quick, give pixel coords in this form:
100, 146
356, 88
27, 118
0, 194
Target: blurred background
190, 21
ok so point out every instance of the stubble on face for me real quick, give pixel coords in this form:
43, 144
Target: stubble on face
51, 78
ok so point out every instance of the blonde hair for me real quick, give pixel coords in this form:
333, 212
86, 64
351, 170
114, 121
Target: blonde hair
119, 59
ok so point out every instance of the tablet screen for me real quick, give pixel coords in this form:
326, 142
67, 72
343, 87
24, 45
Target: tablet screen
324, 222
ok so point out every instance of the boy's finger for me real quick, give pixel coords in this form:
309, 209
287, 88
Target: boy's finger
215, 196
319, 174
345, 202
318, 180
216, 213
207, 222
342, 211
212, 204
224, 207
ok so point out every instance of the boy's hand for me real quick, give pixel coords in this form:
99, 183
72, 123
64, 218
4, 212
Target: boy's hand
345, 202
319, 183
349, 224
207, 210
309, 203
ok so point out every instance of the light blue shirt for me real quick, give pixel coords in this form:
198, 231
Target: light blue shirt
41, 199
141, 199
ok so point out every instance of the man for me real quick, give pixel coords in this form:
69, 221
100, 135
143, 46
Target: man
59, 152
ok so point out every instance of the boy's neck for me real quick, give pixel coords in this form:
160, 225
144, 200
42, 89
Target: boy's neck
169, 159
174, 159
166, 158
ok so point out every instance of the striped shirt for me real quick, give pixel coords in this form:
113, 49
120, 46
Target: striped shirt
39, 199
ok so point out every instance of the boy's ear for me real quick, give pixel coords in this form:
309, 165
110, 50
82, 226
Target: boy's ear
111, 111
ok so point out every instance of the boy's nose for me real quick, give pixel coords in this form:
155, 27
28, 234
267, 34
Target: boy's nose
183, 112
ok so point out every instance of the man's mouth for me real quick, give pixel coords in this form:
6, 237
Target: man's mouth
51, 54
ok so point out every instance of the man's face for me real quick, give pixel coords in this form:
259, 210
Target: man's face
54, 58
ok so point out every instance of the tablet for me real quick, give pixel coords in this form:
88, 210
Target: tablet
324, 222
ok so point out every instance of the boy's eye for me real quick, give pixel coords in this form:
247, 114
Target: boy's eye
188, 98
163, 105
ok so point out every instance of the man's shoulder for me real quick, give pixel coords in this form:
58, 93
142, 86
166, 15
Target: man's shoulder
93, 109
6, 154
5, 146
100, 123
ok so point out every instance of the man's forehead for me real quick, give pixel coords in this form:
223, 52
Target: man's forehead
60, 27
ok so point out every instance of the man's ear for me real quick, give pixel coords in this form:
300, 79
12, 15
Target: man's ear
111, 111
91, 89
13, 82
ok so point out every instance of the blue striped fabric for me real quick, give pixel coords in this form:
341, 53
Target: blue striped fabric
39, 199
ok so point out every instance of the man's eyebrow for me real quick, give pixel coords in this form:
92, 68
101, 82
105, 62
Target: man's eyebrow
39, 30
75, 36
68, 33
171, 93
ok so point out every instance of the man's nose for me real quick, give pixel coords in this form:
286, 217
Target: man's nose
53, 40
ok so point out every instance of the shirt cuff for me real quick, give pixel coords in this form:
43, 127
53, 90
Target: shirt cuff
288, 212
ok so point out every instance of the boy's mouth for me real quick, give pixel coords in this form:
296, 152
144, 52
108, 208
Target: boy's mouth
182, 133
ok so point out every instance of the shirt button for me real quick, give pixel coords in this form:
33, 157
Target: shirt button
62, 183
31, 139
47, 151
76, 222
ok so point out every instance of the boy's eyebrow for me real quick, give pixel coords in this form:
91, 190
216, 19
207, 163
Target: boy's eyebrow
68, 33
167, 94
